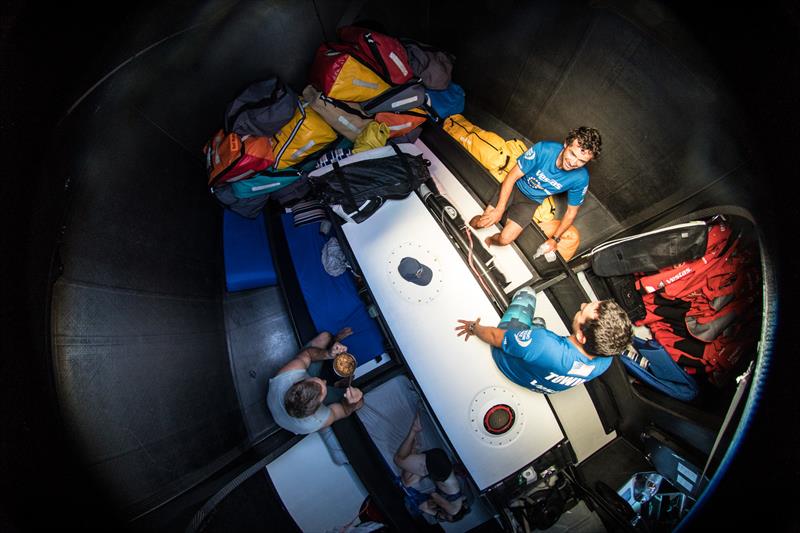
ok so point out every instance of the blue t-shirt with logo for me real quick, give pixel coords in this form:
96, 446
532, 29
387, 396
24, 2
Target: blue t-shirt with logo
542, 178
545, 362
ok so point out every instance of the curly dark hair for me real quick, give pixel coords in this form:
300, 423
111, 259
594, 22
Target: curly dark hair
588, 139
610, 332
303, 398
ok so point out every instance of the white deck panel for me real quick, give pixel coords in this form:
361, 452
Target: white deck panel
507, 258
319, 494
456, 377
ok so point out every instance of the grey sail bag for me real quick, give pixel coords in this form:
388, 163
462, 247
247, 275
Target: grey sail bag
434, 66
262, 109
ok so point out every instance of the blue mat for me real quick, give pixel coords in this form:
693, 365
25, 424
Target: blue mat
333, 302
248, 260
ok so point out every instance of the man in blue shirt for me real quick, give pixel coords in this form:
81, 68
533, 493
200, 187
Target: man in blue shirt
547, 168
536, 358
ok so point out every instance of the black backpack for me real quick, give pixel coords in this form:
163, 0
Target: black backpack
362, 187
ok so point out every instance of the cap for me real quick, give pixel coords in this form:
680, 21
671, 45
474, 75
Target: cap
414, 271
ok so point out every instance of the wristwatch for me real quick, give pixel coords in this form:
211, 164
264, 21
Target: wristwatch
557, 239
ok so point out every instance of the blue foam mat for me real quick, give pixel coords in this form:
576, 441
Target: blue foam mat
248, 260
333, 302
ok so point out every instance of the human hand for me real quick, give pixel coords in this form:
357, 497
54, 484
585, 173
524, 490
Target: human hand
353, 395
336, 349
490, 217
467, 328
551, 245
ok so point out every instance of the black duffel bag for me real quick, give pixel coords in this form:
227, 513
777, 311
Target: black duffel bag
362, 187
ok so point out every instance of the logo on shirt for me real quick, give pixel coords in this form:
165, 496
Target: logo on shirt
564, 380
530, 154
542, 177
523, 338
580, 369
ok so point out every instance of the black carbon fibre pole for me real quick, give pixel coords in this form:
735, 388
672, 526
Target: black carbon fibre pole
460, 233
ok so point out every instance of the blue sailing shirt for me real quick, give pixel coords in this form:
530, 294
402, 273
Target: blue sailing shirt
542, 178
545, 362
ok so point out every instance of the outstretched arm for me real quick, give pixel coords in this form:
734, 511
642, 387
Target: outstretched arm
493, 214
310, 354
566, 222
487, 334
407, 447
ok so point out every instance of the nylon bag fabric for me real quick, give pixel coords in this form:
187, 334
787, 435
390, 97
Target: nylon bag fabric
304, 135
662, 373
246, 207
511, 149
397, 99
448, 101
623, 289
651, 251
385, 54
338, 74
485, 146
262, 109
346, 118
433, 65
231, 157
570, 239
371, 181
263, 183
400, 124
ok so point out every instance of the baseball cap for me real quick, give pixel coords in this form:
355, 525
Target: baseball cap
414, 271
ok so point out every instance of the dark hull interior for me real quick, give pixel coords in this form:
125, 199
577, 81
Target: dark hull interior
115, 307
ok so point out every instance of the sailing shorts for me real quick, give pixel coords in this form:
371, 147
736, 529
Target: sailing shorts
520, 208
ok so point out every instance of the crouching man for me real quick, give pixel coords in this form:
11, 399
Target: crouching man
536, 358
295, 399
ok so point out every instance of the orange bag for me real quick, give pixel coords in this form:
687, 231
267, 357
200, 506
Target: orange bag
401, 123
570, 239
230, 157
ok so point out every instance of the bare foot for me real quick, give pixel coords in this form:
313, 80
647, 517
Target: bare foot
343, 333
322, 340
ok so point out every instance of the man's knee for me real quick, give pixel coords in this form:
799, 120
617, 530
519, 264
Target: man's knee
504, 240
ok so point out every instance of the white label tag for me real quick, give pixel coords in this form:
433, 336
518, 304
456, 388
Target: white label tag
366, 84
405, 101
347, 124
685, 483
400, 126
302, 150
242, 176
400, 65
266, 186
686, 472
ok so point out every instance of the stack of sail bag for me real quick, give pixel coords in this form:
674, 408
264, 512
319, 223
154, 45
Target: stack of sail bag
365, 90
695, 288
499, 156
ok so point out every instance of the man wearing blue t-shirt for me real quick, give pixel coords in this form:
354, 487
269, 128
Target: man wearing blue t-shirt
547, 168
536, 358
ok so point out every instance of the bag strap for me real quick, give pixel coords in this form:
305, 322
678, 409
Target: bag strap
350, 203
291, 135
344, 107
373, 46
